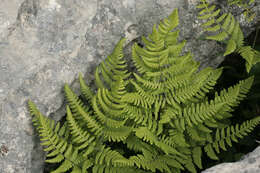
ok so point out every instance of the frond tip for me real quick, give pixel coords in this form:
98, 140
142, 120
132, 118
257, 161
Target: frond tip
60, 151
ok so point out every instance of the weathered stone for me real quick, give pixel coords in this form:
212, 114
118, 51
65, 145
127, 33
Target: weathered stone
250, 163
45, 44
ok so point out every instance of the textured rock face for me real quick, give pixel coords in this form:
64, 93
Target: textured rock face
249, 164
44, 44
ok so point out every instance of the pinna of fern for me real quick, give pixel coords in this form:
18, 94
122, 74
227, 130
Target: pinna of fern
159, 119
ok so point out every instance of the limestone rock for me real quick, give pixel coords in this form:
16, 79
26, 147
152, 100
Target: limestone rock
249, 164
45, 44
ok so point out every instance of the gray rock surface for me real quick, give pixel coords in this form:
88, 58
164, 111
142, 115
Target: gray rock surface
45, 44
250, 163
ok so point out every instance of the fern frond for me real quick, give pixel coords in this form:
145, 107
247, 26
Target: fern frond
113, 108
163, 163
137, 100
168, 24
218, 37
79, 110
195, 135
225, 136
147, 135
110, 157
250, 55
202, 83
152, 46
234, 94
112, 68
85, 90
150, 98
106, 120
74, 101
175, 139
140, 115
60, 150
227, 30
79, 136
117, 134
188, 164
136, 144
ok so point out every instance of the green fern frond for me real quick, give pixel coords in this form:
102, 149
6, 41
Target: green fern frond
168, 24
113, 107
109, 157
74, 101
117, 134
194, 114
250, 55
110, 116
79, 136
225, 136
136, 144
195, 135
231, 47
113, 169
188, 164
234, 94
226, 29
112, 68
59, 149
148, 136
199, 86
80, 111
136, 99
138, 114
85, 90
175, 139
150, 98
106, 120
163, 163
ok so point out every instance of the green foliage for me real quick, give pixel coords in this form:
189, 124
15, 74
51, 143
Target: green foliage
234, 71
159, 119
223, 27
245, 5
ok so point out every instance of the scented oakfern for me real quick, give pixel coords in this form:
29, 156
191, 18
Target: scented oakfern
223, 27
158, 119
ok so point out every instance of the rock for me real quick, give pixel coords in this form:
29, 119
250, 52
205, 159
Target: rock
249, 164
45, 44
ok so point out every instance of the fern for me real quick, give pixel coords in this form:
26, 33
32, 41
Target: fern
59, 149
158, 119
245, 5
225, 136
224, 28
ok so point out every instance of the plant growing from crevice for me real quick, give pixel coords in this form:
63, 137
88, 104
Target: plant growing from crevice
158, 119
